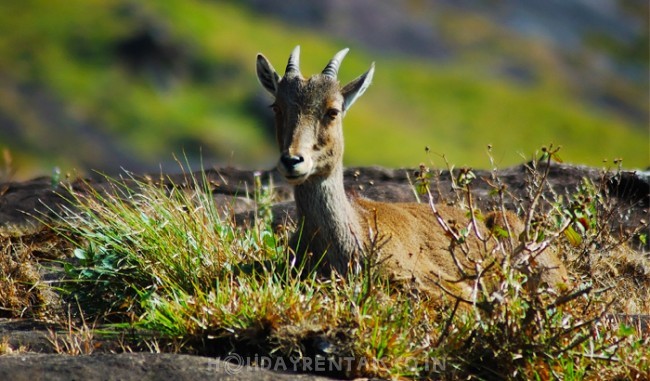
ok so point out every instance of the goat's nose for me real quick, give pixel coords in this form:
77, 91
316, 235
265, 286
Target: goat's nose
290, 161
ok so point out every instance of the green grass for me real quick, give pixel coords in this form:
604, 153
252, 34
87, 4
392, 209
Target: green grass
455, 108
167, 260
443, 108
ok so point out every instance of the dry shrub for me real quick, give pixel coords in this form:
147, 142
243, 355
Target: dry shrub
23, 293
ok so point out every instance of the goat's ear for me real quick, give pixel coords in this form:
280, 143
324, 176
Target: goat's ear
267, 75
356, 88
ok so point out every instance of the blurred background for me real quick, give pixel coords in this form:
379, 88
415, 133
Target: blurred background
110, 84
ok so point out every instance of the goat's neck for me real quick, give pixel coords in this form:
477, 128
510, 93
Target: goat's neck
328, 215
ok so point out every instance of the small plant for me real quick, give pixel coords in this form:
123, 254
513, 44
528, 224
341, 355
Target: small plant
515, 331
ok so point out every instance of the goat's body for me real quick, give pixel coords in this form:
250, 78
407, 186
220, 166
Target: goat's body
334, 230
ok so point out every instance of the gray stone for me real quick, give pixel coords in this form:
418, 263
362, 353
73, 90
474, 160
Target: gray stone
133, 367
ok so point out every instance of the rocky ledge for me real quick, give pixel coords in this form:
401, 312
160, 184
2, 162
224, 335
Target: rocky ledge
24, 204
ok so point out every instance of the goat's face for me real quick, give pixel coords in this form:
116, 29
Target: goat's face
308, 116
308, 126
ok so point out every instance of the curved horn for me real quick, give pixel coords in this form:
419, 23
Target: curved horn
332, 68
293, 66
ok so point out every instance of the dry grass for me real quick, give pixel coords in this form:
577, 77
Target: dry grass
77, 339
6, 348
22, 290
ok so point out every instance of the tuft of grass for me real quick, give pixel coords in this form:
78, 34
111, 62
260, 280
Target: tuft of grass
169, 260
76, 339
23, 293
6, 348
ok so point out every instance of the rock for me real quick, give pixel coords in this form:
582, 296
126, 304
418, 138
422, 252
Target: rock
26, 203
134, 367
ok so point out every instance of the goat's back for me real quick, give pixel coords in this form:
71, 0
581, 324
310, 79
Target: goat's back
417, 249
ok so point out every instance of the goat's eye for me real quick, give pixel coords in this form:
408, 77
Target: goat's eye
333, 113
276, 109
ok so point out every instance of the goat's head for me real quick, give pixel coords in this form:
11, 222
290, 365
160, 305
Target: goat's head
308, 115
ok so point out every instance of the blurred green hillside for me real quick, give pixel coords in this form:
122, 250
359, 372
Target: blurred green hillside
104, 84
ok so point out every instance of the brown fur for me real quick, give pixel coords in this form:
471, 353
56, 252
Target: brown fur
336, 229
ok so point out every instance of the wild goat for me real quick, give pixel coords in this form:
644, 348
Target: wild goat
334, 229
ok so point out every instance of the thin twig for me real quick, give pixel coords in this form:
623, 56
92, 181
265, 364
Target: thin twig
538, 194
